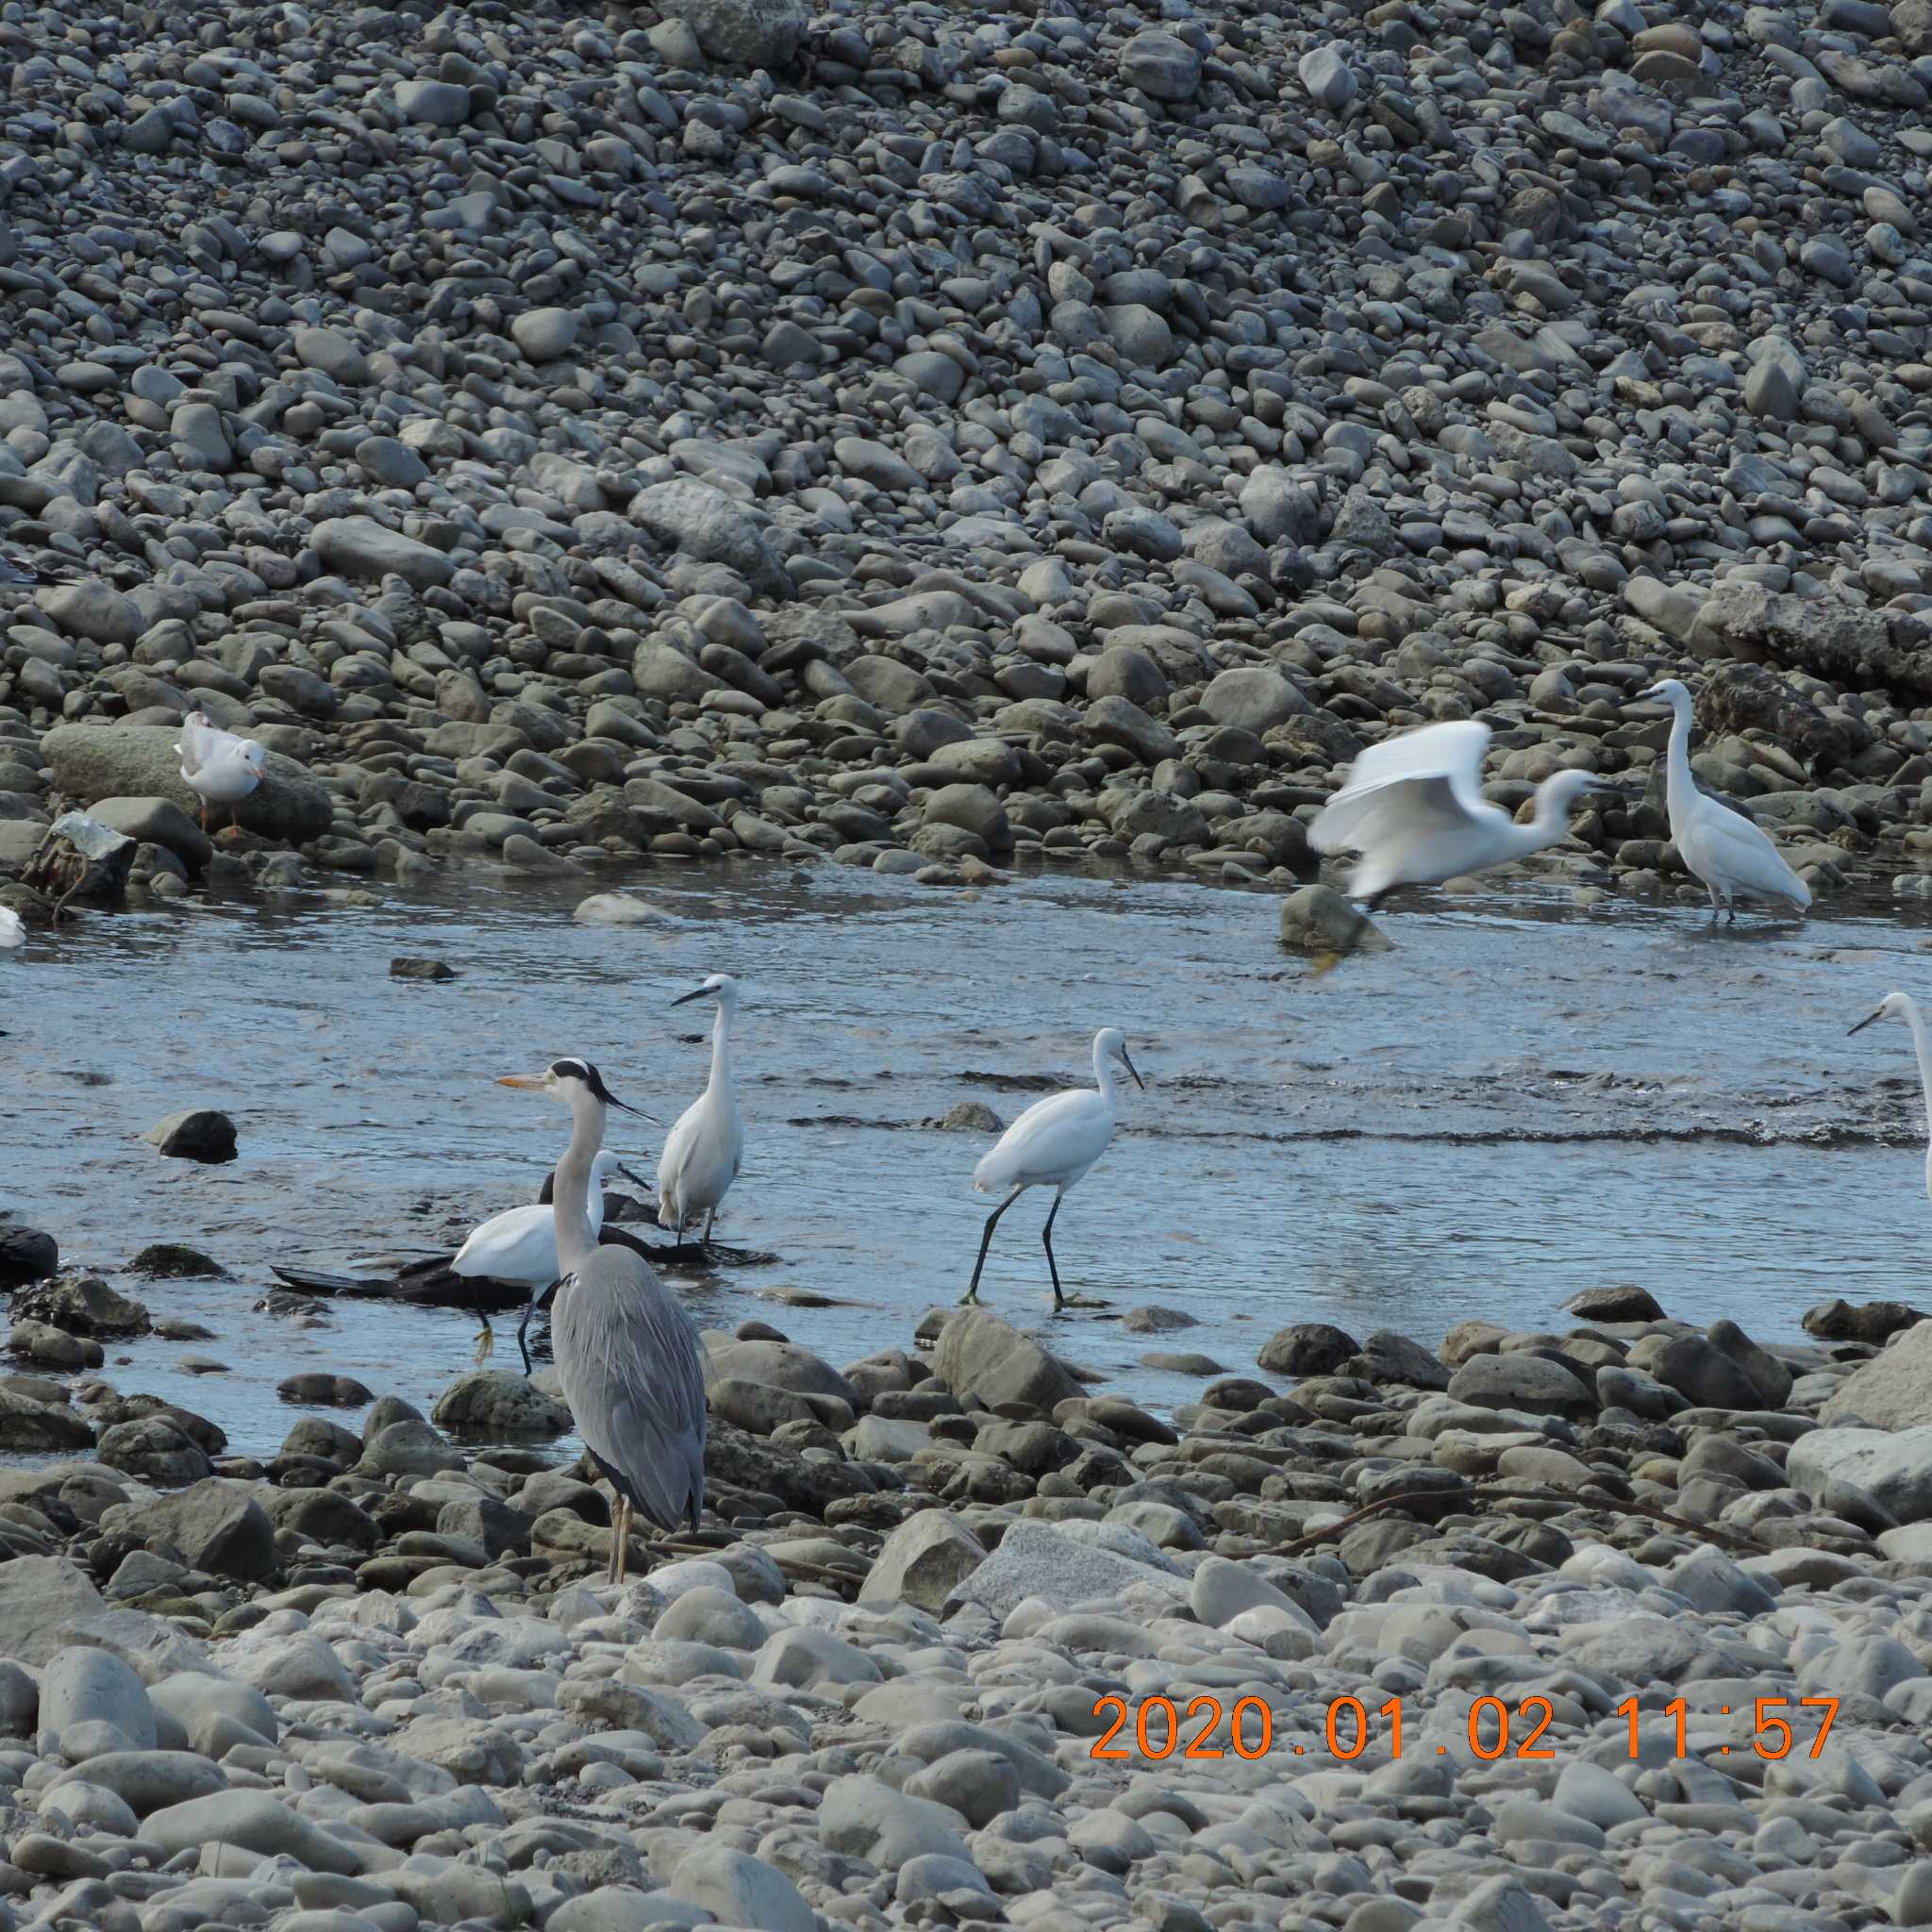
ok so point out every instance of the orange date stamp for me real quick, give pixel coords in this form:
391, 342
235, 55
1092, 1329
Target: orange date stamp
1159, 1728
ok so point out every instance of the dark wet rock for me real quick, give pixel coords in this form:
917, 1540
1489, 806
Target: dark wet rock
27, 1255
1386, 1357
333, 1391
968, 1116
29, 1426
1700, 1372
405, 967
1306, 1348
1624, 1302
494, 1402
1875, 1322
1317, 919
155, 1448
198, 1134
83, 1305
172, 1262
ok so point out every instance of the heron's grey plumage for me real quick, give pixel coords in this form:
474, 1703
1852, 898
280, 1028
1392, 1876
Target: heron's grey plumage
632, 1370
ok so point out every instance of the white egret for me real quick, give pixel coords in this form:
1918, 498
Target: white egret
520, 1244
627, 1355
1051, 1145
705, 1150
1721, 849
11, 932
1413, 808
222, 768
1902, 1005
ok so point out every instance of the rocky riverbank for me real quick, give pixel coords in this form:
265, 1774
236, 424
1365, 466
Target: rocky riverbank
940, 443
1510, 1611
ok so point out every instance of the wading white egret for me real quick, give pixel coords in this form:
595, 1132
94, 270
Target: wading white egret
520, 1244
1902, 1005
705, 1150
1721, 849
1051, 1145
11, 932
1413, 808
627, 1355
222, 768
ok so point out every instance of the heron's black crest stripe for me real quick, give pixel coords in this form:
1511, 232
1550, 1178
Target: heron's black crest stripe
584, 1071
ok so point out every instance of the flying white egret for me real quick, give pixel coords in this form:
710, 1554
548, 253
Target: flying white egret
520, 1244
1051, 1145
1413, 808
11, 932
222, 768
705, 1150
1902, 1005
1721, 849
627, 1355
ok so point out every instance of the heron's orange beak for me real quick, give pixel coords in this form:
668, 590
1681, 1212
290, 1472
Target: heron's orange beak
531, 1081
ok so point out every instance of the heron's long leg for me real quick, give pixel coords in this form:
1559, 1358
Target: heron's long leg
971, 1293
618, 1554
486, 1336
524, 1328
710, 1221
1060, 1301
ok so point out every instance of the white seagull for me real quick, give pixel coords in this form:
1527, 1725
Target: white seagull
222, 768
1413, 808
1721, 849
1051, 1145
705, 1150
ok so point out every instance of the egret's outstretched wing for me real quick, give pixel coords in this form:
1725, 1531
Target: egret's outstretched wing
1436, 772
632, 1371
1063, 1134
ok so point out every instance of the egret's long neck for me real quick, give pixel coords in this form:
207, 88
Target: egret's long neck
1681, 787
721, 1050
1916, 1020
576, 1238
1551, 820
1104, 1074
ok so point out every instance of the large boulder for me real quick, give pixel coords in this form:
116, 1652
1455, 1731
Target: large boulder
1893, 1390
37, 1596
91, 761
1846, 644
986, 1360
1045, 1560
745, 33
217, 1526
495, 1404
922, 1561
1894, 1468
704, 524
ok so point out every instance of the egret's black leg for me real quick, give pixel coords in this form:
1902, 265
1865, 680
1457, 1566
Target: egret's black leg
710, 1221
971, 1293
486, 1335
1060, 1301
523, 1332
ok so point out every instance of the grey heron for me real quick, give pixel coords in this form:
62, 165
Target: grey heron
1413, 808
704, 1151
1051, 1145
1721, 849
627, 1355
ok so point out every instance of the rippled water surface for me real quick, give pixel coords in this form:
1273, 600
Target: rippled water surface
1520, 1100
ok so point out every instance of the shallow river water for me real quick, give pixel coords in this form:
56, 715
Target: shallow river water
1520, 1100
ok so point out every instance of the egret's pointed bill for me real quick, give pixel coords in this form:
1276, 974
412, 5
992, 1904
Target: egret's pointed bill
684, 999
1127, 1061
1879, 1014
